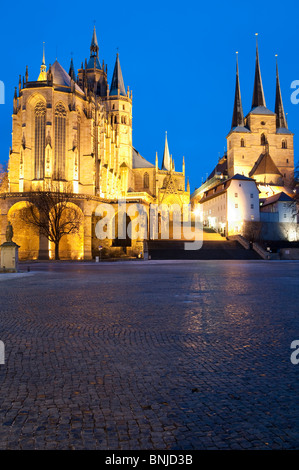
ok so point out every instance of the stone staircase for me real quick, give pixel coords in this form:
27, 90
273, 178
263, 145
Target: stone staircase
215, 247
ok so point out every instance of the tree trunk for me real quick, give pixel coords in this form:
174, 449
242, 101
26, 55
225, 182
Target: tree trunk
57, 251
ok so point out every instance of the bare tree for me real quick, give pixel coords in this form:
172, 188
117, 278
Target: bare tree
53, 214
252, 231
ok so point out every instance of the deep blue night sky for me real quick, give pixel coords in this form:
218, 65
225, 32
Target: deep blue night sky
177, 57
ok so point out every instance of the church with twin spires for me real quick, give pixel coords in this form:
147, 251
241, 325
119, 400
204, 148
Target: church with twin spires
256, 173
74, 129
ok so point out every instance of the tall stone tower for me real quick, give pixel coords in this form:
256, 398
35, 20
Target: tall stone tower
260, 145
73, 129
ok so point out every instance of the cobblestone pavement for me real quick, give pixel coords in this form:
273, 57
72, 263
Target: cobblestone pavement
150, 355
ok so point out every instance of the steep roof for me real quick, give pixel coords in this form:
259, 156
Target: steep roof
241, 129
72, 70
94, 40
281, 122
221, 168
93, 63
139, 161
264, 165
261, 110
279, 197
222, 187
94, 52
282, 130
61, 77
258, 98
237, 176
166, 156
238, 117
117, 82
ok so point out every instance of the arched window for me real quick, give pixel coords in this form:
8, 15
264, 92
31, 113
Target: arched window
242, 143
284, 144
146, 180
40, 139
60, 140
263, 139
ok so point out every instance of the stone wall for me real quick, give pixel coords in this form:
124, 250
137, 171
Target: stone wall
274, 231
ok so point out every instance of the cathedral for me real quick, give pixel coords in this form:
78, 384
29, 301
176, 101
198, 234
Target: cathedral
256, 170
75, 129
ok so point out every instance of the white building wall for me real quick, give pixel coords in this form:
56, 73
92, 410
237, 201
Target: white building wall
214, 213
286, 211
227, 212
242, 205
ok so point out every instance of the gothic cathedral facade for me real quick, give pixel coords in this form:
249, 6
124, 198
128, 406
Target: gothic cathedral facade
76, 130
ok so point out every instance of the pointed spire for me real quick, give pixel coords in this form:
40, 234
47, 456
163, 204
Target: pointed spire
238, 117
279, 110
94, 62
258, 98
156, 162
94, 47
166, 156
183, 166
43, 68
50, 76
44, 61
15, 102
72, 70
117, 83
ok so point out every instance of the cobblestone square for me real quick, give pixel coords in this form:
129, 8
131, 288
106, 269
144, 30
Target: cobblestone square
155, 355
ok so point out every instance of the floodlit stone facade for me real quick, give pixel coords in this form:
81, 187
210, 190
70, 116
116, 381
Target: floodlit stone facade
76, 131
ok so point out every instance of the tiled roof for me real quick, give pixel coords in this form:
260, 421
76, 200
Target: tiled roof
117, 82
139, 161
264, 166
281, 197
61, 77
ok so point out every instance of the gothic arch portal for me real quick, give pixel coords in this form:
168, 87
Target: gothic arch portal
25, 234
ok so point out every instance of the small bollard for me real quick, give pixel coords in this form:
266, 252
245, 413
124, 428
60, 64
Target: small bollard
97, 259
